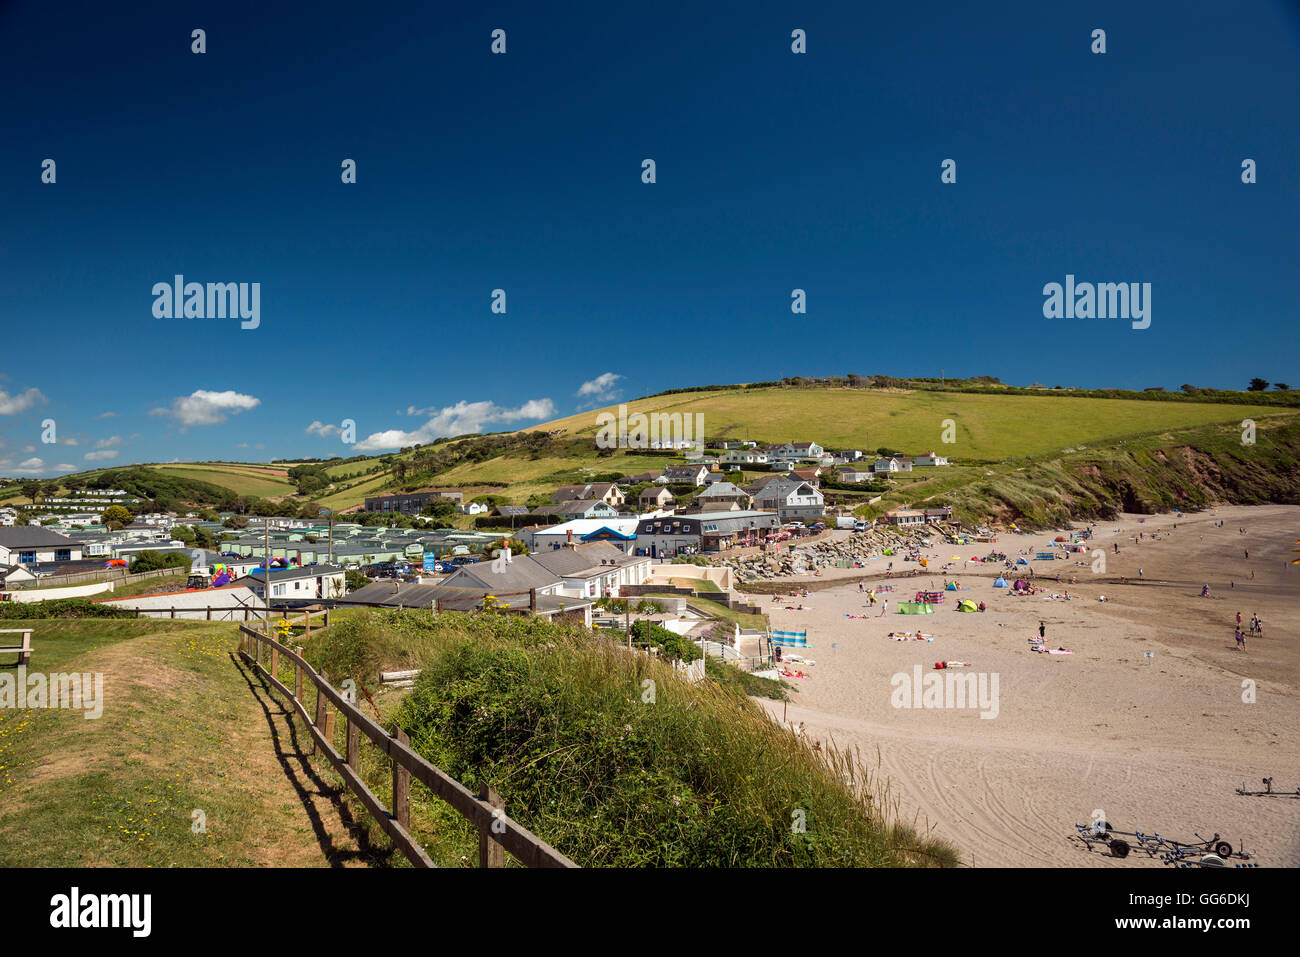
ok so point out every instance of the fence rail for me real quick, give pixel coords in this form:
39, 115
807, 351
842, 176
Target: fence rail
116, 575
497, 832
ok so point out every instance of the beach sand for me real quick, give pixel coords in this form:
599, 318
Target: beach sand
1153, 744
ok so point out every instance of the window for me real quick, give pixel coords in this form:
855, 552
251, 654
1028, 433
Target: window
26, 558
62, 554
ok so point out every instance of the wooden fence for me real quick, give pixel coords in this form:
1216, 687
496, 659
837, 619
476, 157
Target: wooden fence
118, 575
486, 811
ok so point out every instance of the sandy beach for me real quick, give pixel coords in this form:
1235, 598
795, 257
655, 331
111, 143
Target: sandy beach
1155, 743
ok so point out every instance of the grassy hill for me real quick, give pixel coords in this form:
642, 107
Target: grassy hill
989, 427
999, 432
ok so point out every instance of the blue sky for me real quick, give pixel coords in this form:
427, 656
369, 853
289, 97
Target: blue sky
522, 172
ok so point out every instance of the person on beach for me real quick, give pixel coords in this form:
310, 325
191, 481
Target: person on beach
1241, 640
1239, 621
884, 607
1042, 630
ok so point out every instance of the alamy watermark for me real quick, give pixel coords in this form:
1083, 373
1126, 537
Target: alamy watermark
659, 430
214, 300
946, 689
1105, 300
68, 691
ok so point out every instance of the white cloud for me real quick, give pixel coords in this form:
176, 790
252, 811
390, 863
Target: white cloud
100, 456
113, 441
601, 387
20, 402
458, 419
106, 415
65, 468
324, 431
69, 441
30, 466
202, 407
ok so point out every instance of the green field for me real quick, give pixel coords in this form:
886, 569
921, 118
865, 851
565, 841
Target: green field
987, 427
241, 481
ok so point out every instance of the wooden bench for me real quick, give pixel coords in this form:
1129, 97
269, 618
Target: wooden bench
25, 649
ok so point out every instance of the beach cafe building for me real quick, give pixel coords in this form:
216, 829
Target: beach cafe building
667, 536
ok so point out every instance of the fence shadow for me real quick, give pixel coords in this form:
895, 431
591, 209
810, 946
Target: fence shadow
307, 782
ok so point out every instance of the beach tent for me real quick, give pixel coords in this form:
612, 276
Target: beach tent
915, 608
1021, 561
952, 586
1020, 585
1000, 583
967, 605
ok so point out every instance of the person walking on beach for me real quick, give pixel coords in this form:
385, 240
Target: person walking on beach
1239, 620
1042, 630
1241, 640
884, 607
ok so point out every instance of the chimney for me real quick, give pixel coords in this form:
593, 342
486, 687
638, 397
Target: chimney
568, 537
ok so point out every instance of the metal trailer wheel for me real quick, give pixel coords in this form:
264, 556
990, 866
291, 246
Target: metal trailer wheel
1119, 848
1223, 849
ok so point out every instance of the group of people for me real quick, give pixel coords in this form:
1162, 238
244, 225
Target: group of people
1256, 628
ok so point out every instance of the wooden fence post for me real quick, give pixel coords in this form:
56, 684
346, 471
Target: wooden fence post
402, 786
275, 662
320, 714
173, 611
297, 681
308, 622
209, 613
490, 853
329, 727
354, 745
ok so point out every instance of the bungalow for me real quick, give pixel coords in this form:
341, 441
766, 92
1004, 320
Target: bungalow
298, 584
594, 569
580, 508
744, 457
810, 475
905, 516
11, 575
542, 603
929, 459
853, 474
791, 499
30, 544
603, 491
686, 475
654, 496
510, 511
722, 497
802, 450
892, 463
471, 508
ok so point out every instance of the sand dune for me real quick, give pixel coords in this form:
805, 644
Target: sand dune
1157, 744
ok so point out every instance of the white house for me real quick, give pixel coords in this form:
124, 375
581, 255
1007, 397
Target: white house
743, 457
891, 464
930, 459
288, 584
790, 498
30, 544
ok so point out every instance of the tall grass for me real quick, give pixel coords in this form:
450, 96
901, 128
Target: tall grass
612, 758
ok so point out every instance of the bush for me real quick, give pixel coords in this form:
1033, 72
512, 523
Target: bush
555, 718
62, 608
155, 561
